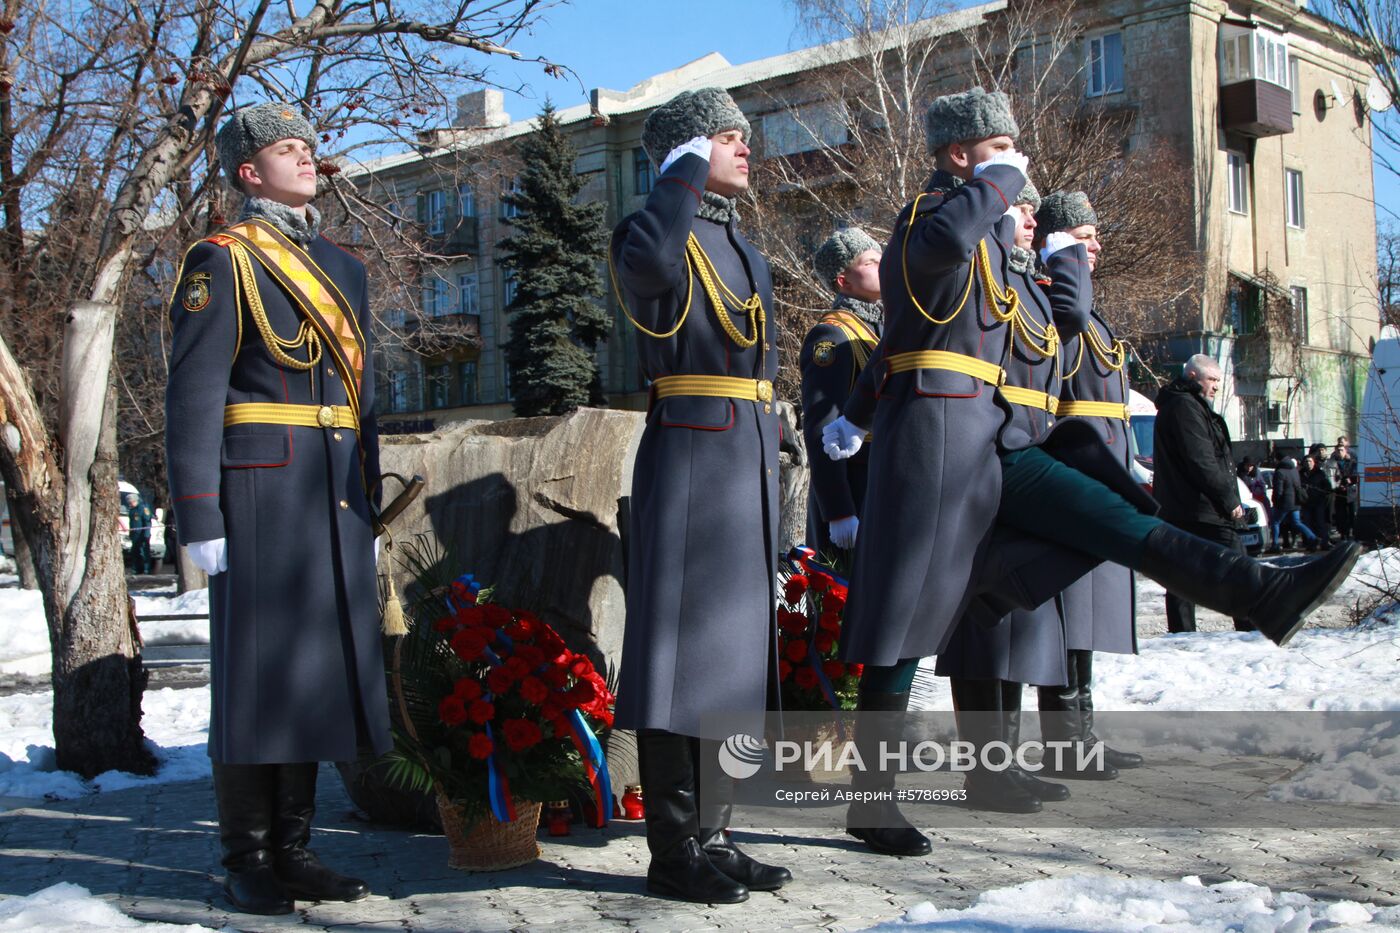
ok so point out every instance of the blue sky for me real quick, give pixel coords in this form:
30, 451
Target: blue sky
616, 43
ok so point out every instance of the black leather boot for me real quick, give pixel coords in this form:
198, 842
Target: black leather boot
1084, 664
1062, 720
679, 867
1275, 600
714, 806
245, 795
878, 823
300, 872
980, 721
1011, 709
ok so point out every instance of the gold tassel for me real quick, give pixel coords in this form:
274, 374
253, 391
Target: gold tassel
393, 610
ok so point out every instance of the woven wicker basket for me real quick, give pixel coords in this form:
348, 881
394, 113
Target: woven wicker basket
489, 845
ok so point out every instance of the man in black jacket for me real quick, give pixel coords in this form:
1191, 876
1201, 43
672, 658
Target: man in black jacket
1194, 473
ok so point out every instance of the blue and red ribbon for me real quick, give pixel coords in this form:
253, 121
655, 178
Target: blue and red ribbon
595, 764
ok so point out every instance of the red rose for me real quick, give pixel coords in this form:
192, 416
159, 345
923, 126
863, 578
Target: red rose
532, 656
605, 716
820, 583
600, 687
497, 616
533, 690
452, 711
460, 591
581, 693
824, 642
855, 670
521, 734
834, 600
481, 711
556, 677
784, 671
805, 678
471, 615
480, 746
517, 667
793, 622
796, 651
469, 643
553, 707
580, 666
499, 680
794, 588
829, 621
549, 641
834, 670
467, 688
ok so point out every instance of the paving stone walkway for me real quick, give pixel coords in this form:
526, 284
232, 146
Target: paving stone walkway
152, 851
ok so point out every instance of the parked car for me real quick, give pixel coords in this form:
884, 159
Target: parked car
157, 524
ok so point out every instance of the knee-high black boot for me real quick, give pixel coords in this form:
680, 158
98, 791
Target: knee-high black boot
980, 722
1275, 600
714, 805
298, 868
679, 867
1062, 720
1011, 710
245, 795
1084, 664
878, 822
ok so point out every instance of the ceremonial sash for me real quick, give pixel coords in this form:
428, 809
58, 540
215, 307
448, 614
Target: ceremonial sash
313, 292
858, 333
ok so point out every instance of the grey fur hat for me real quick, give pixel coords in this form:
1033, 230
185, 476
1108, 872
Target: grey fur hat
1029, 195
973, 114
689, 114
254, 128
1064, 210
840, 250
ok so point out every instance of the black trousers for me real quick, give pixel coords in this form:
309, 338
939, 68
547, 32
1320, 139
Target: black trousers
1181, 615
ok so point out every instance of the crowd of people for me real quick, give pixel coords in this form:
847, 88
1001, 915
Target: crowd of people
1307, 501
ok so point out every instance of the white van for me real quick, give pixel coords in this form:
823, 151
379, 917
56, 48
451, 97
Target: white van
1378, 441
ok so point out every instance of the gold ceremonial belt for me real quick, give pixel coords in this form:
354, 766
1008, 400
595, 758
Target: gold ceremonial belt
750, 390
302, 416
990, 373
1094, 410
1031, 399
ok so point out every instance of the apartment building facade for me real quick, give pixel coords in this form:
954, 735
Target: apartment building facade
1261, 99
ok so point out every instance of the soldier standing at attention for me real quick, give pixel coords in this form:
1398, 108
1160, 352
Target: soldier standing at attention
1100, 613
272, 448
954, 462
701, 635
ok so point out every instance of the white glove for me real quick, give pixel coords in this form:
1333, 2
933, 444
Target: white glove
1010, 157
700, 145
376, 552
841, 439
843, 531
1055, 242
209, 556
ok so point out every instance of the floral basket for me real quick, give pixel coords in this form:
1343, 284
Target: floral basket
810, 614
497, 714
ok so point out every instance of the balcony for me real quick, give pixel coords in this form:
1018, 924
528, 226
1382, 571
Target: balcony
458, 239
444, 333
1256, 108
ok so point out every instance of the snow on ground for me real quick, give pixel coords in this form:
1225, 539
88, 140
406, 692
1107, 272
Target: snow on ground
69, 908
1131, 905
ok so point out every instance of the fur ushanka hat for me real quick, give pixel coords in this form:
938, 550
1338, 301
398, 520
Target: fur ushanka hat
255, 128
973, 114
689, 114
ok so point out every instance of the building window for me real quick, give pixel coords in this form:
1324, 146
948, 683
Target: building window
1293, 197
642, 171
466, 382
509, 210
1295, 85
466, 201
437, 300
508, 287
439, 385
1246, 306
1248, 53
467, 300
1237, 182
399, 382
804, 129
1103, 60
1300, 311
432, 211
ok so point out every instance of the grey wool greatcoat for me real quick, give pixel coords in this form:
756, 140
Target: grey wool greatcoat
1100, 610
1028, 645
935, 481
831, 361
297, 671
700, 641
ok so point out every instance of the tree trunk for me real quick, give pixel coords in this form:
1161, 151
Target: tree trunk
24, 561
188, 576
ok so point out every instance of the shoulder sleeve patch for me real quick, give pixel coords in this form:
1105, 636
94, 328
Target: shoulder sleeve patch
194, 291
824, 353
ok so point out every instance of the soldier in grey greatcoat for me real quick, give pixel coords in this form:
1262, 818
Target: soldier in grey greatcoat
1100, 612
968, 513
272, 450
701, 636
987, 665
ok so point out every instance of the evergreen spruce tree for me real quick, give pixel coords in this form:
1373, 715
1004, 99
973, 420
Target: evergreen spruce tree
554, 249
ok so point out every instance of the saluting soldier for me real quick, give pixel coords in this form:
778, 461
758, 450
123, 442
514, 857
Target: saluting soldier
701, 636
1100, 613
987, 665
272, 452
835, 351
953, 461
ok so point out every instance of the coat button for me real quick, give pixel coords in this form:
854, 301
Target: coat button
336, 435
330, 372
344, 504
770, 471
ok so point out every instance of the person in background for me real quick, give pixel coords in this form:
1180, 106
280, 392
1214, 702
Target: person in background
1288, 502
1346, 496
138, 523
1317, 503
1258, 490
